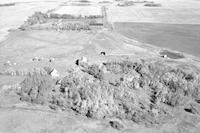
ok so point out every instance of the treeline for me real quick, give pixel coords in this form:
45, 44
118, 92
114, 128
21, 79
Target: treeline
7, 4
139, 91
69, 16
41, 18
71, 26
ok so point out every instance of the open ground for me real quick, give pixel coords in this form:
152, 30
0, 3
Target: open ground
99, 66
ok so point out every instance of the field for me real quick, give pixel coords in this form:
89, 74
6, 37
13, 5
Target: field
79, 10
180, 37
14, 16
171, 11
95, 66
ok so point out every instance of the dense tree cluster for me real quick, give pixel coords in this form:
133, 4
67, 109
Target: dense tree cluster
52, 21
136, 91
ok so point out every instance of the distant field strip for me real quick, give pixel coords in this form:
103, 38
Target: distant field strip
180, 37
80, 10
154, 15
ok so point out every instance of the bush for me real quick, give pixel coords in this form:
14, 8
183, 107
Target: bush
36, 88
126, 3
95, 71
67, 16
123, 67
8, 4
152, 5
84, 1
55, 16
145, 86
36, 18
